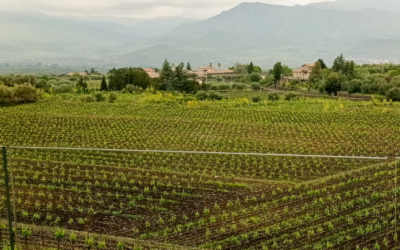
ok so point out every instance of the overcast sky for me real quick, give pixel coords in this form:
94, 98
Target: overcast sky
135, 8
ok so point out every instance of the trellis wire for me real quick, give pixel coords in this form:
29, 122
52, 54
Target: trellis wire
202, 152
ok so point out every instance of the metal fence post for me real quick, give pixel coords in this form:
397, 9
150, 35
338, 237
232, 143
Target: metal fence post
8, 197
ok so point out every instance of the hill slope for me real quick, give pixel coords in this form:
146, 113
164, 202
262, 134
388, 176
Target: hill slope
352, 5
252, 30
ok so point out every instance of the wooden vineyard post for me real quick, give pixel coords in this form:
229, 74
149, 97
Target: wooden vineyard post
8, 196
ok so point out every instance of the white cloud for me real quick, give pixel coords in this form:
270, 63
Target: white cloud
135, 8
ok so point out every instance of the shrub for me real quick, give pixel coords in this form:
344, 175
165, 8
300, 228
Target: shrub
99, 97
255, 77
240, 86
90, 98
64, 88
224, 87
256, 99
321, 86
290, 96
255, 86
202, 95
112, 97
384, 88
294, 83
214, 88
273, 97
393, 94
25, 93
219, 79
366, 88
6, 94
215, 96
132, 88
268, 81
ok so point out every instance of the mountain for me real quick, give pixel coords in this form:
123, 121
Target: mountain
257, 32
40, 37
140, 26
159, 26
267, 33
25, 34
352, 5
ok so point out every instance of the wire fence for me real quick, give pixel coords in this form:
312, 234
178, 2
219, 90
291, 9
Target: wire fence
123, 194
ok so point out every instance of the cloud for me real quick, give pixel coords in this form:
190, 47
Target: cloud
135, 8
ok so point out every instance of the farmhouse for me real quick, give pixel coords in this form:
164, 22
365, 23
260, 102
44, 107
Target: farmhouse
211, 70
152, 73
73, 73
304, 72
149, 70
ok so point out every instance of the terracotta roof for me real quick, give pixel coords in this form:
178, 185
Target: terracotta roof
153, 75
309, 65
73, 73
226, 71
149, 70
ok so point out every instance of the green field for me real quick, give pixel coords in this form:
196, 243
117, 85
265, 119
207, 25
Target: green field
170, 200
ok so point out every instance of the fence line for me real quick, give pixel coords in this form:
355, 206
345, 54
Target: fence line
202, 152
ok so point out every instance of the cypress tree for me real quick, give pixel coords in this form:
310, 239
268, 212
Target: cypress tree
188, 67
250, 68
277, 71
103, 86
111, 83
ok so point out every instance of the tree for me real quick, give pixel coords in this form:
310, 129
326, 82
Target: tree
82, 85
166, 74
188, 67
211, 65
277, 72
178, 80
250, 68
111, 83
338, 64
393, 94
72, 238
333, 83
286, 71
103, 86
255, 77
315, 75
322, 63
219, 65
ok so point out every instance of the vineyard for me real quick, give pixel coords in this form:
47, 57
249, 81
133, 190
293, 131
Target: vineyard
132, 197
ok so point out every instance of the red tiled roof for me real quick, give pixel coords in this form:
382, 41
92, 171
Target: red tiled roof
153, 75
149, 70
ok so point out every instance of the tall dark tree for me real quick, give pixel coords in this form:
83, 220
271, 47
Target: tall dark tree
250, 68
338, 64
322, 63
103, 86
111, 83
166, 75
277, 72
188, 67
